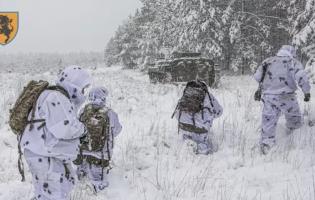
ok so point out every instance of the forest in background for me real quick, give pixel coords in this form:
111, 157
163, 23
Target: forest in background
236, 34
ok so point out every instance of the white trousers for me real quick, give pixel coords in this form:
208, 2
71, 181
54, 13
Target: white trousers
97, 175
274, 106
51, 179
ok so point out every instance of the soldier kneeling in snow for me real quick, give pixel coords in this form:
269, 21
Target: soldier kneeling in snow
278, 77
96, 148
195, 112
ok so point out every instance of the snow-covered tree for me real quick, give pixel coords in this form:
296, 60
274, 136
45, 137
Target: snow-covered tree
303, 29
235, 33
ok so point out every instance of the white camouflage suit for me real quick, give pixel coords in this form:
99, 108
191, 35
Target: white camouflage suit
50, 150
203, 119
284, 73
96, 174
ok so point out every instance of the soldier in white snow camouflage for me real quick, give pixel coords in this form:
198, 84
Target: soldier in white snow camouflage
50, 148
195, 123
97, 148
283, 73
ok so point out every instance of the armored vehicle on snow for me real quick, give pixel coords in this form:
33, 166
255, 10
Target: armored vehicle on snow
183, 67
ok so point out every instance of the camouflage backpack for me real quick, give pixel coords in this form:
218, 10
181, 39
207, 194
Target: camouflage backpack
193, 97
192, 102
24, 105
97, 123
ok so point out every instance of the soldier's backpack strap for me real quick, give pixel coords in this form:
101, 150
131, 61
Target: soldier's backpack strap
109, 132
20, 161
59, 89
32, 121
55, 88
264, 72
177, 106
258, 93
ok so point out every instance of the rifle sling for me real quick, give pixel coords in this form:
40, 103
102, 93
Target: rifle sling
264, 72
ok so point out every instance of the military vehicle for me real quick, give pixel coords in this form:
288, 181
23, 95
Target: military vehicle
183, 67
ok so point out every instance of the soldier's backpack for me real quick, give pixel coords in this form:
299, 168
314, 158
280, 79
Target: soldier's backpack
192, 102
24, 105
193, 97
97, 122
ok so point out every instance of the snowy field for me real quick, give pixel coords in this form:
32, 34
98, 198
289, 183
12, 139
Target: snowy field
151, 162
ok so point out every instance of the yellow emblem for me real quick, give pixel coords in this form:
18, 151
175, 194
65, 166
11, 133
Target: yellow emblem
9, 24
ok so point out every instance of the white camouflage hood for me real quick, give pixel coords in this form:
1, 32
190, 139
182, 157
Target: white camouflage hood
98, 95
73, 79
287, 50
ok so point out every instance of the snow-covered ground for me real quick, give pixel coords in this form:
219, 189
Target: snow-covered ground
151, 162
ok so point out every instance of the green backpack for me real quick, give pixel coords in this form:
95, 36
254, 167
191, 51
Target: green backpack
24, 105
96, 121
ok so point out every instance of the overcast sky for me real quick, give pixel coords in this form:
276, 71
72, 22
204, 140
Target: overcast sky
66, 25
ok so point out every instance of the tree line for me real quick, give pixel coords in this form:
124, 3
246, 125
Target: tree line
236, 34
42, 62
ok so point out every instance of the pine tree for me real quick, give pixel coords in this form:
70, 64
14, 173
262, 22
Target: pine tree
237, 34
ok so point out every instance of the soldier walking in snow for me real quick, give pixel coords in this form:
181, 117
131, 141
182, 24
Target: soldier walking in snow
278, 78
50, 138
195, 113
96, 149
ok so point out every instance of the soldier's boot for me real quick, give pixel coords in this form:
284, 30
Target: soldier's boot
204, 149
100, 184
